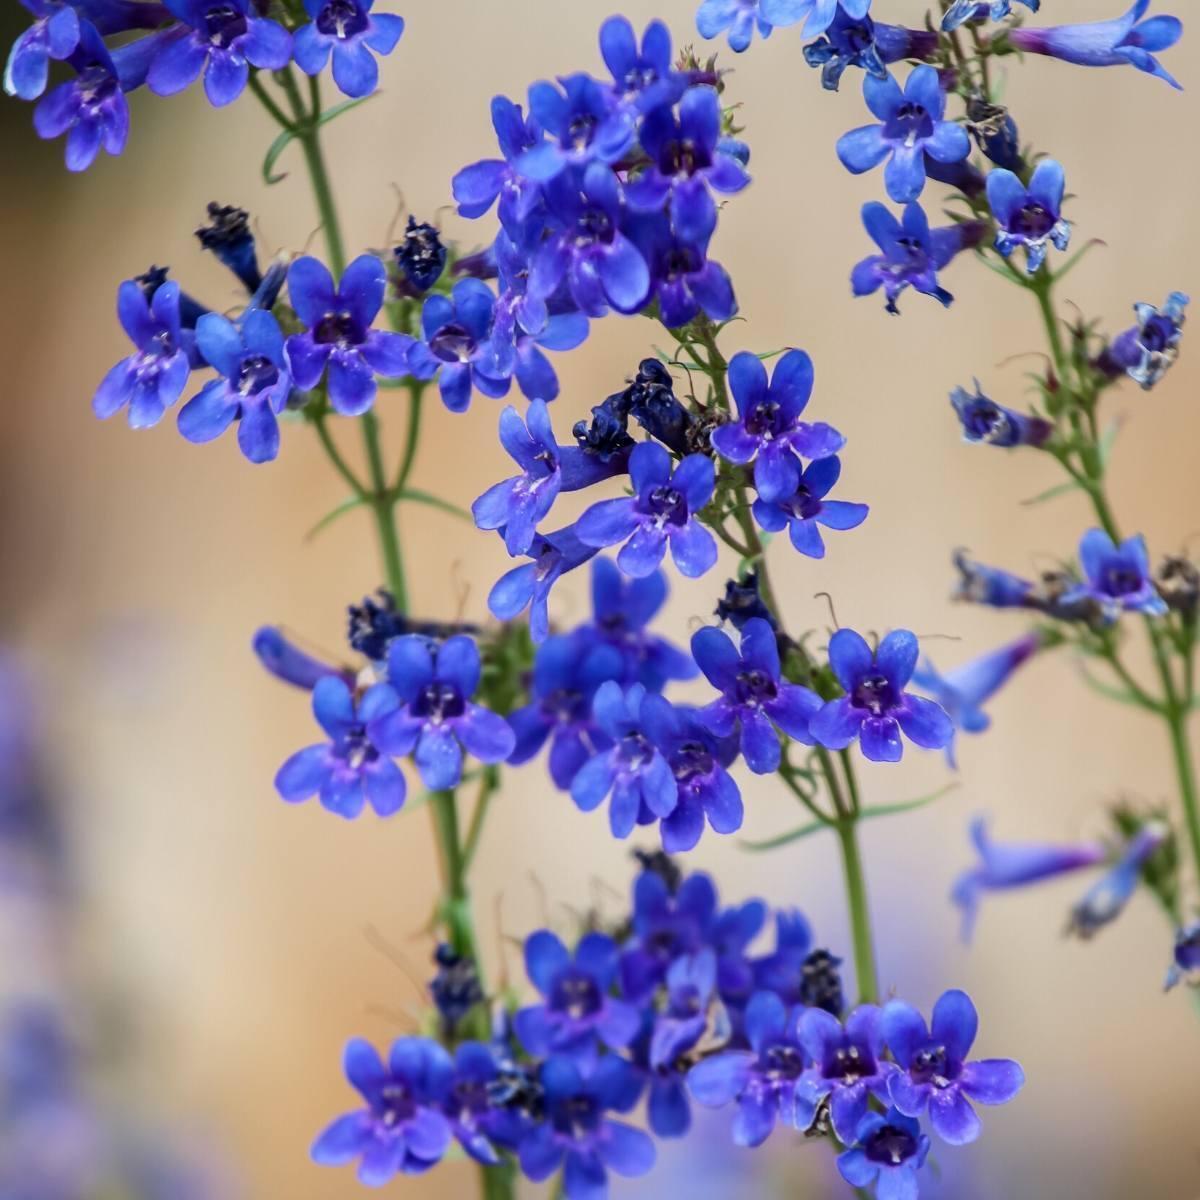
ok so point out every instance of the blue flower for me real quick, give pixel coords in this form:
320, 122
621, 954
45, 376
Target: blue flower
912, 126
762, 1079
983, 420
289, 663
666, 926
806, 509
584, 124
963, 691
578, 1135
1148, 351
454, 346
888, 1151
1029, 217
1185, 964
477, 187
477, 1123
351, 768
552, 555
876, 707
352, 31
645, 77
152, 378
817, 15
1120, 42
1106, 898
577, 1006
229, 238
934, 1073
586, 249
683, 279
911, 253
691, 983
402, 1130
1118, 577
222, 38
993, 586
253, 387
739, 17
1015, 865
436, 720
634, 769
755, 698
455, 990
622, 608
567, 670
339, 336
699, 762
848, 1068
686, 160
962, 11
870, 45
663, 509
90, 109
769, 431
53, 35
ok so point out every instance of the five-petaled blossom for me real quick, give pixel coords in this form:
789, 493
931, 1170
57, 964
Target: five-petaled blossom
577, 1006
755, 698
876, 707
888, 1150
913, 125
151, 379
1148, 350
983, 420
817, 15
402, 1130
962, 11
662, 510
350, 769
806, 509
254, 385
1118, 576
769, 431
436, 719
338, 341
351, 31
739, 17
1029, 216
934, 1072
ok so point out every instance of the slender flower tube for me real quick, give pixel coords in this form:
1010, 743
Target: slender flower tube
983, 420
1185, 962
1106, 899
1029, 216
1149, 350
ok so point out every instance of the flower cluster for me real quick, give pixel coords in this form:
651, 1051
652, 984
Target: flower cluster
674, 1006
177, 41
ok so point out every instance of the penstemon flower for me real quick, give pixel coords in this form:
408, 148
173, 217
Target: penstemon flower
1029, 216
354, 35
739, 17
887, 1152
804, 510
983, 420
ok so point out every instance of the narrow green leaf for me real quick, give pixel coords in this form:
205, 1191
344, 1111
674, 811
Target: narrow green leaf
1119, 694
1107, 441
1053, 493
331, 114
903, 806
785, 839
420, 497
277, 148
331, 516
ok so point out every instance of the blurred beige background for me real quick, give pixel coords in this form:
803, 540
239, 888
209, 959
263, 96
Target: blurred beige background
135, 568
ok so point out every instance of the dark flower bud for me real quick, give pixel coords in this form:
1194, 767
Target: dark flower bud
742, 601
420, 258
190, 311
1185, 964
653, 404
821, 983
995, 132
607, 433
658, 862
228, 236
376, 622
1179, 584
455, 989
983, 420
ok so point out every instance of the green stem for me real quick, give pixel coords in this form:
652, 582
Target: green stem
416, 392
860, 913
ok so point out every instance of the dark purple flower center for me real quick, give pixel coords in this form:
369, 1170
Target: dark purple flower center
681, 261
1120, 579
852, 38
394, 1105
564, 707
95, 86
635, 751
355, 748
762, 420
577, 994
755, 687
223, 25
908, 254
1033, 221
255, 373
875, 693
581, 129
684, 157
849, 1063
803, 504
439, 701
666, 506
576, 1112
909, 124
784, 1061
1157, 334
160, 346
471, 1097
933, 1065
691, 762
890, 1146
342, 19
686, 1001
639, 77
338, 329
452, 343
593, 225
985, 420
